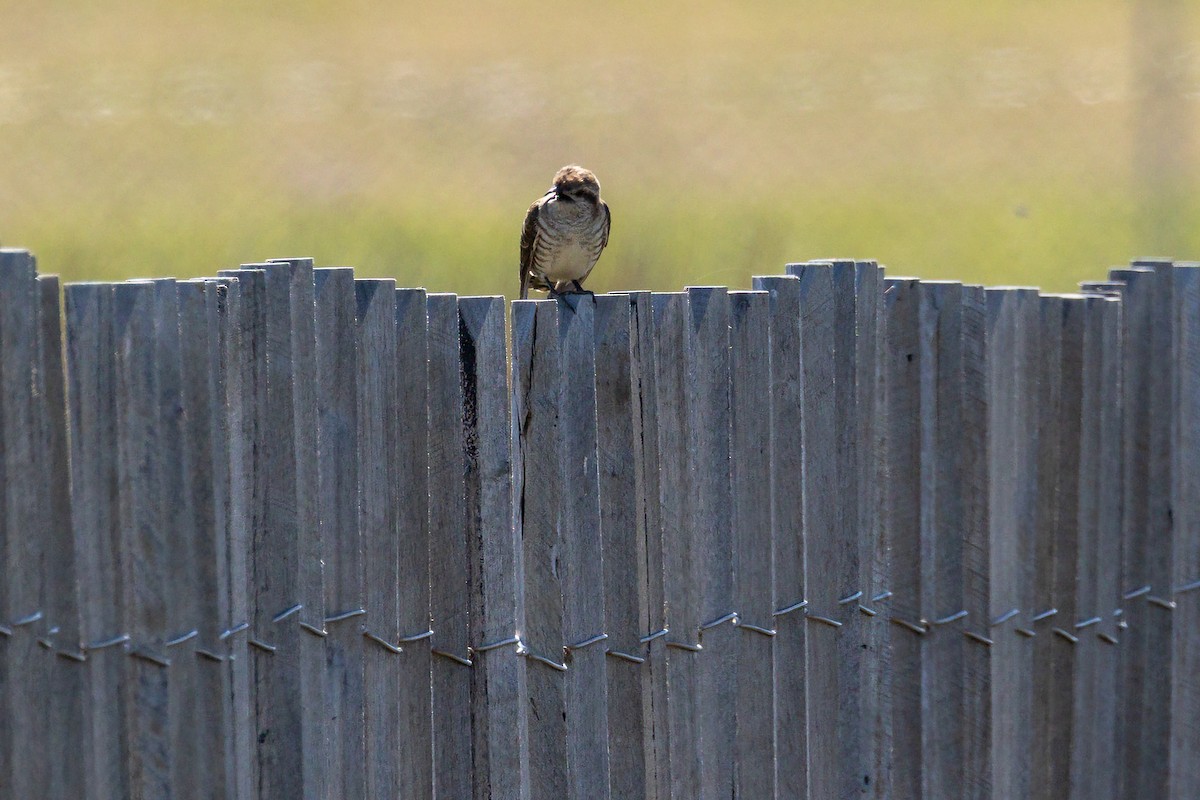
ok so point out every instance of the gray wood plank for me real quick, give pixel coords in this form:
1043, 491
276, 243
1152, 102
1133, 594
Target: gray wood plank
976, 550
498, 691
281, 688
680, 587
580, 564
377, 415
197, 606
65, 777
1145, 714
1161, 532
1033, 621
942, 525
618, 431
24, 760
709, 521
538, 487
750, 451
874, 550
412, 529
303, 516
1185, 500
93, 439
1108, 527
241, 310
790, 720
168, 514
140, 485
643, 372
901, 375
338, 507
834, 663
229, 543
1012, 336
1054, 739
449, 563
1093, 753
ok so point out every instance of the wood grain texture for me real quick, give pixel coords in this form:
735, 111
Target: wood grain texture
498, 692
580, 564
976, 549
670, 314
787, 536
1012, 336
942, 526
376, 414
66, 680
651, 520
901, 376
274, 571
710, 528
834, 664
621, 505
1145, 717
200, 717
241, 311
305, 515
750, 459
1057, 551
24, 765
1097, 591
93, 438
140, 478
412, 531
874, 547
449, 563
338, 511
538, 489
1185, 500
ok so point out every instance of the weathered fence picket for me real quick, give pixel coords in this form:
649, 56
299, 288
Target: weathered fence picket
498, 691
787, 537
338, 508
579, 562
25, 701
618, 434
64, 689
644, 393
539, 492
1145, 713
449, 570
1012, 337
1185, 488
709, 527
197, 554
750, 456
902, 601
681, 644
288, 533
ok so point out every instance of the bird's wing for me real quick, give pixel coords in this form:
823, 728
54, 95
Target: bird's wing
607, 224
529, 237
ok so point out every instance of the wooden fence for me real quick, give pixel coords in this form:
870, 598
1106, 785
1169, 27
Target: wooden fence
287, 534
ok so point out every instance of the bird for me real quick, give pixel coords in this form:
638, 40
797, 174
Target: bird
564, 233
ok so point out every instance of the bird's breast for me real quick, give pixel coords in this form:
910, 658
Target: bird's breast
568, 245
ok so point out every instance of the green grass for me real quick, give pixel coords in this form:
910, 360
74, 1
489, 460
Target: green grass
989, 142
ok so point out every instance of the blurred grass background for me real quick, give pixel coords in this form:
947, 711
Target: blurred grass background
1011, 142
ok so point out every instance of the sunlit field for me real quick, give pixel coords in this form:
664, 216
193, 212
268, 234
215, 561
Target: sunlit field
994, 142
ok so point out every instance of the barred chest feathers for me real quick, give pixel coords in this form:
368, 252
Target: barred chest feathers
571, 238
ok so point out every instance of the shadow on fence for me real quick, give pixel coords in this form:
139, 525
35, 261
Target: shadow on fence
284, 533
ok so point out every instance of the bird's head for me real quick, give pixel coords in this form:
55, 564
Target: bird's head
576, 183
